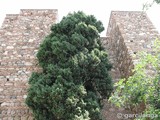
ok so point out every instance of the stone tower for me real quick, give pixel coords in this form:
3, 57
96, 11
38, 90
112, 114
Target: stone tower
20, 36
128, 33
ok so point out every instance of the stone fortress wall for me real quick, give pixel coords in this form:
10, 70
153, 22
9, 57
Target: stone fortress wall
21, 34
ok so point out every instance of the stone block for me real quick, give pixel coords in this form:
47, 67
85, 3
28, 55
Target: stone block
24, 118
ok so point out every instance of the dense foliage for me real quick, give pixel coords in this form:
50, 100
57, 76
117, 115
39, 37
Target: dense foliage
75, 71
143, 86
157, 1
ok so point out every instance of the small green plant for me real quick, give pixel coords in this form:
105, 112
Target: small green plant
148, 5
142, 87
75, 72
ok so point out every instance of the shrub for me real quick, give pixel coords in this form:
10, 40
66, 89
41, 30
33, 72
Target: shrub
142, 87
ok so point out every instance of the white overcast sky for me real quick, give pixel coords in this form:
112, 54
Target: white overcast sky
100, 8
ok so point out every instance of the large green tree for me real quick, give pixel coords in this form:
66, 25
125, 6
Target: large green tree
75, 71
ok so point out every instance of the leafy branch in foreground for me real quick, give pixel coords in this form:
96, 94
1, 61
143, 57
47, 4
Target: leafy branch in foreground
143, 86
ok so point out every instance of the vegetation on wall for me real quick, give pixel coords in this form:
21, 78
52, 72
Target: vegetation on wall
142, 87
75, 71
147, 5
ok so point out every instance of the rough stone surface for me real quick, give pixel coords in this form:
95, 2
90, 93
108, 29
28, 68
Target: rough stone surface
21, 34
129, 33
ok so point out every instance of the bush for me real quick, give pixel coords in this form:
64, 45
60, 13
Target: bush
75, 72
142, 87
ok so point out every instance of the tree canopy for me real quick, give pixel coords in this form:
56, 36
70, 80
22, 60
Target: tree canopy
75, 71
